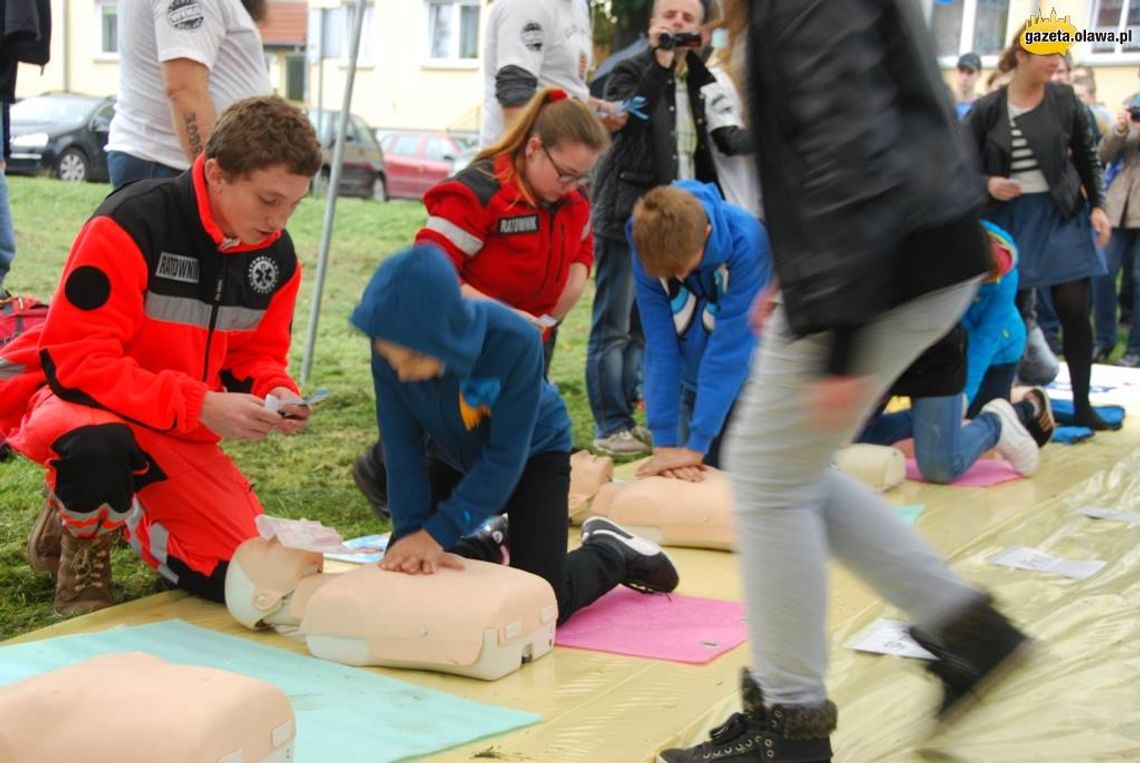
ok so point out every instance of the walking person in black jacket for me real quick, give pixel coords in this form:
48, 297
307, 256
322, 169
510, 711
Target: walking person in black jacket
872, 209
665, 139
1046, 187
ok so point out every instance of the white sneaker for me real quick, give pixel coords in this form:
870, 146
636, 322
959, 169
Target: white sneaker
1015, 444
622, 444
643, 434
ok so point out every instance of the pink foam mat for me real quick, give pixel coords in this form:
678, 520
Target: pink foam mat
986, 472
675, 628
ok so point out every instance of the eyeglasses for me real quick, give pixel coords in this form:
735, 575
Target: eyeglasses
564, 177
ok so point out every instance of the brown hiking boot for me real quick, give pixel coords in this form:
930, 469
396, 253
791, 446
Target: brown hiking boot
84, 581
44, 541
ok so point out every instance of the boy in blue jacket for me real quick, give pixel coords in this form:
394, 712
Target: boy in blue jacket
700, 263
470, 429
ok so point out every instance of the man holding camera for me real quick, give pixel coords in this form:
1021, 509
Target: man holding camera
664, 140
1120, 143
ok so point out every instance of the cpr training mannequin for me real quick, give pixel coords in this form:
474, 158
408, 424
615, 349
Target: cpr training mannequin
483, 621
173, 713
674, 512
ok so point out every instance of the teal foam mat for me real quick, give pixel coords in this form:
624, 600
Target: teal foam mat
344, 714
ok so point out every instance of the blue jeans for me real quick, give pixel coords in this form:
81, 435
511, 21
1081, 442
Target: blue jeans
688, 401
943, 448
1123, 246
613, 354
7, 233
125, 168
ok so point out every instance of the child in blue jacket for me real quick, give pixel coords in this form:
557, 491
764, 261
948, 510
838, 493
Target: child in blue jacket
994, 327
471, 429
700, 263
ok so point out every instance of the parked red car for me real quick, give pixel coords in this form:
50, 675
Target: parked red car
418, 160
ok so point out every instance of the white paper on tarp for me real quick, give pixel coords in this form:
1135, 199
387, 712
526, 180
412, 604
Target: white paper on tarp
1096, 512
1110, 385
367, 549
889, 637
303, 534
1024, 558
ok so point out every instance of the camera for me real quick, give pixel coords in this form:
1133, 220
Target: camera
1134, 113
670, 40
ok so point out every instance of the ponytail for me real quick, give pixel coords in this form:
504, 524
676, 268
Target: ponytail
554, 118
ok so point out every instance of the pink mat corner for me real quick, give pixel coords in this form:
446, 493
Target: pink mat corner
675, 628
986, 472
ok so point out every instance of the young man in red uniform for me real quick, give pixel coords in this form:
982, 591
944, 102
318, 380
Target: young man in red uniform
169, 330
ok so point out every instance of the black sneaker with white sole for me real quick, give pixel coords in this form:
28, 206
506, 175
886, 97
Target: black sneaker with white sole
647, 568
490, 543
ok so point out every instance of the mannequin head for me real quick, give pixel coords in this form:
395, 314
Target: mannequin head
261, 577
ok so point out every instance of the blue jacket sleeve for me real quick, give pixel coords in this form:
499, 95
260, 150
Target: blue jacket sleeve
725, 363
993, 330
490, 481
409, 492
662, 356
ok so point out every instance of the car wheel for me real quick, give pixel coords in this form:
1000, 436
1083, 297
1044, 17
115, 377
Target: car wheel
379, 189
72, 166
320, 185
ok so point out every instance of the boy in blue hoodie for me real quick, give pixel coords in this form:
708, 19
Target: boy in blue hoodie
471, 429
700, 263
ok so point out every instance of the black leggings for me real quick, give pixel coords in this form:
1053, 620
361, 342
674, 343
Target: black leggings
538, 517
1071, 301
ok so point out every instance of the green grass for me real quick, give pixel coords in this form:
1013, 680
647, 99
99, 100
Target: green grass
304, 476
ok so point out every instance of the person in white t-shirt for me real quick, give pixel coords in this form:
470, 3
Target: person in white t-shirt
532, 44
181, 62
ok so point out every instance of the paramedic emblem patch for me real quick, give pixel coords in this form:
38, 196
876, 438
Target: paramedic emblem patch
509, 226
185, 15
532, 35
178, 267
263, 274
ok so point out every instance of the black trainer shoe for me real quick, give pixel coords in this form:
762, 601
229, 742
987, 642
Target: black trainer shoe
1042, 426
974, 651
647, 568
490, 543
372, 479
782, 734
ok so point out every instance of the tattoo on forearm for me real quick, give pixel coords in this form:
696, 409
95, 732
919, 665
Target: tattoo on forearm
193, 134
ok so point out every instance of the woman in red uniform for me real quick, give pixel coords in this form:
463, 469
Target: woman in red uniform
516, 225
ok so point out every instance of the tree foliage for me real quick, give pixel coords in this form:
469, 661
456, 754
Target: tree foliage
618, 23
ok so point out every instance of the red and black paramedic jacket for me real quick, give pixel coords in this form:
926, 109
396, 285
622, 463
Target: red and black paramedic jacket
501, 244
155, 307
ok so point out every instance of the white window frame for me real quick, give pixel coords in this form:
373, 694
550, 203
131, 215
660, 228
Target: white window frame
452, 61
339, 19
100, 53
969, 21
1085, 52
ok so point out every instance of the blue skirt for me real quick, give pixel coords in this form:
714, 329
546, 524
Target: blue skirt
1051, 249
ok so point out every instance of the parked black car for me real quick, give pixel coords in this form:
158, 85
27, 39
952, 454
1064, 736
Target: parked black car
61, 134
364, 172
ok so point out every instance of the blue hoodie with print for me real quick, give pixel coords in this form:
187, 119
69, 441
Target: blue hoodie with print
486, 415
697, 331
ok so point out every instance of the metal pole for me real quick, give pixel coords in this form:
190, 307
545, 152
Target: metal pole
334, 184
321, 77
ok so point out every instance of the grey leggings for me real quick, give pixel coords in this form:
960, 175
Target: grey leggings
792, 508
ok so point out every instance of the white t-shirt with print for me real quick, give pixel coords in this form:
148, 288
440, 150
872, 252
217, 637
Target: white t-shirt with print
551, 39
218, 34
735, 174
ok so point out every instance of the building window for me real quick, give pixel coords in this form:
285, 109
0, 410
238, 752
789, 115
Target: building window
453, 29
333, 27
108, 28
962, 26
1116, 16
295, 70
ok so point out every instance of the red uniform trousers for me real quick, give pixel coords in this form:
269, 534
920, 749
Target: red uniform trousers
183, 504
